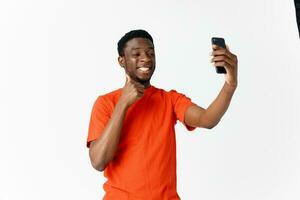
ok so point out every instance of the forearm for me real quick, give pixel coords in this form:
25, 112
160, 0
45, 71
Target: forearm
218, 107
105, 147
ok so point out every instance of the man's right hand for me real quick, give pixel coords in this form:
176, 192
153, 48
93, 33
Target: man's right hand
131, 92
103, 149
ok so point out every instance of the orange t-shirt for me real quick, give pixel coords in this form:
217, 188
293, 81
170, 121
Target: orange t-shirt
144, 166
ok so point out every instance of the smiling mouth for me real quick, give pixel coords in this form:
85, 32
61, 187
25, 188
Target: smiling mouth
145, 69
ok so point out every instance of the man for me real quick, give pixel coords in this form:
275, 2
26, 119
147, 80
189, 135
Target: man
131, 134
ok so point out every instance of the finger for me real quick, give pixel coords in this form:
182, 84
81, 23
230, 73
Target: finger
227, 47
128, 79
223, 64
229, 52
216, 47
218, 52
223, 52
140, 90
140, 94
222, 58
137, 84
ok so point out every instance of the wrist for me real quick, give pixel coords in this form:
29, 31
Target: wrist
122, 105
230, 87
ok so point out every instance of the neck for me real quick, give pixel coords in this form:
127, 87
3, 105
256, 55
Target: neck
146, 85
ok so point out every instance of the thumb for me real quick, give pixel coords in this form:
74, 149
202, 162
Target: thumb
227, 47
128, 79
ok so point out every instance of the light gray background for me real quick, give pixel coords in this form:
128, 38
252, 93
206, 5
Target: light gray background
57, 56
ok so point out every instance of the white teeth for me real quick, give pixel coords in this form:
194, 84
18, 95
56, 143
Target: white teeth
144, 69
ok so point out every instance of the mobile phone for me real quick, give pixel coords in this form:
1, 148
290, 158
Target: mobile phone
220, 42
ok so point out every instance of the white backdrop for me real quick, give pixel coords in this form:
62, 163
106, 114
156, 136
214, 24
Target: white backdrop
57, 56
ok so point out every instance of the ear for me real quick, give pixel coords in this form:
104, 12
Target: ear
121, 61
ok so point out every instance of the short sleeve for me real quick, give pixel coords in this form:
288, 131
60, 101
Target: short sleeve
180, 104
99, 118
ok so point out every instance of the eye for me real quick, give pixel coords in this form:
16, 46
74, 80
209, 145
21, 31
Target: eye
136, 54
151, 53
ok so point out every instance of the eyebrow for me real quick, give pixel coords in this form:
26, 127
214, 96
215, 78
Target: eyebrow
142, 48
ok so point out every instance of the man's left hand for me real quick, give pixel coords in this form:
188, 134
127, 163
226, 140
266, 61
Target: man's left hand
223, 57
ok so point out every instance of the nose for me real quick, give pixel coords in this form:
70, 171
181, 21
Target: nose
145, 57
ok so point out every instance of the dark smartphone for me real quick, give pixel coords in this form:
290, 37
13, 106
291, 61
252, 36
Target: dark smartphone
220, 42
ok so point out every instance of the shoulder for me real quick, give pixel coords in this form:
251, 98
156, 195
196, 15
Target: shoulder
109, 98
112, 95
174, 94
171, 95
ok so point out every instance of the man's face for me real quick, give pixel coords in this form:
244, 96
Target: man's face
139, 59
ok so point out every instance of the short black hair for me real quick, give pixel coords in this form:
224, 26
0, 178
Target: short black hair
130, 35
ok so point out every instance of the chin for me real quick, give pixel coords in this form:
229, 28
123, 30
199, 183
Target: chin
143, 80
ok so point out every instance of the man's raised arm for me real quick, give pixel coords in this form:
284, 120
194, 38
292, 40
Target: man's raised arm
196, 116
